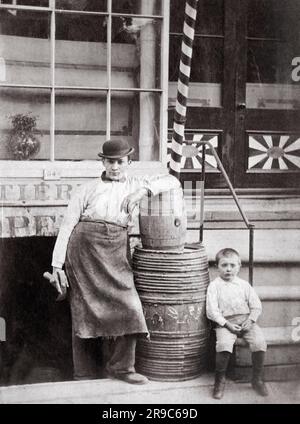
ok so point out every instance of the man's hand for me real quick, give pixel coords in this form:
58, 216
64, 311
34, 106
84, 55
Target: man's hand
233, 328
247, 324
131, 201
58, 280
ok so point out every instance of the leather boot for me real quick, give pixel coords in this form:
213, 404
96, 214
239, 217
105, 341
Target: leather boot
222, 360
257, 377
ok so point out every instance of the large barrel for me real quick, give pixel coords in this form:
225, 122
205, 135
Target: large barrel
163, 220
172, 287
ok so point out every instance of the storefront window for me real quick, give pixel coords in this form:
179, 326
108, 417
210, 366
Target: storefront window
273, 56
22, 103
35, 3
84, 5
208, 53
101, 65
135, 56
151, 7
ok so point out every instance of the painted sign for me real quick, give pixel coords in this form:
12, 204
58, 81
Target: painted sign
296, 70
28, 222
34, 208
38, 191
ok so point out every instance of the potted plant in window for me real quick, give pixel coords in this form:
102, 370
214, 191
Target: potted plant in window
22, 141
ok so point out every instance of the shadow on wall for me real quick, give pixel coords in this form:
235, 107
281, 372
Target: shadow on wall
38, 329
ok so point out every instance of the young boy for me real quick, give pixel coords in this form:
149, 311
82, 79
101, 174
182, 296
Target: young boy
234, 306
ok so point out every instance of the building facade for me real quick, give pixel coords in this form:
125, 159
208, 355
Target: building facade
91, 70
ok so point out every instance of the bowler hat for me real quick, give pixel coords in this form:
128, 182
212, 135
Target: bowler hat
115, 149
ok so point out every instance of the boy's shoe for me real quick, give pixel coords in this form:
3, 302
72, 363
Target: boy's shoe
219, 387
260, 387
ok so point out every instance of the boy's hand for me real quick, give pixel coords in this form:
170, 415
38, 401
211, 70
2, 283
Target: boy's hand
234, 328
246, 325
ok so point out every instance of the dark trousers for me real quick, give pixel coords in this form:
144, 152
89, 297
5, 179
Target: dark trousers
93, 357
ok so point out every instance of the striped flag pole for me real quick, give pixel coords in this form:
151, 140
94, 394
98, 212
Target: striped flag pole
183, 85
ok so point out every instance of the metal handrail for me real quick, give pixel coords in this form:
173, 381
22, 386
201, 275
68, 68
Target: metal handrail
248, 224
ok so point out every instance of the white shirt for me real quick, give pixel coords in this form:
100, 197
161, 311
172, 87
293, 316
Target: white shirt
102, 200
225, 299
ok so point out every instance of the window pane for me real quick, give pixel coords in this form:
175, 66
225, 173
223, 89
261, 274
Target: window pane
78, 27
273, 60
136, 117
81, 51
206, 76
269, 62
25, 48
136, 51
209, 17
272, 18
80, 124
31, 103
35, 3
142, 7
87, 5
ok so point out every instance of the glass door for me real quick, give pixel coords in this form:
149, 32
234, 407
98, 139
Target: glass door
267, 136
211, 90
244, 93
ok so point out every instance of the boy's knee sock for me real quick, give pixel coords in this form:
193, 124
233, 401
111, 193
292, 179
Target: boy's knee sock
257, 376
222, 360
258, 359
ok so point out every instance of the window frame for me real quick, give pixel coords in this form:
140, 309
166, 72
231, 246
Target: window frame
162, 91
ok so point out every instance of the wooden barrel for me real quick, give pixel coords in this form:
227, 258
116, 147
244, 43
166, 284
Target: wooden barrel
172, 287
163, 221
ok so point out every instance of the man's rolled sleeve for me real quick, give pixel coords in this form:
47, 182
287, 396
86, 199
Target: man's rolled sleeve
71, 218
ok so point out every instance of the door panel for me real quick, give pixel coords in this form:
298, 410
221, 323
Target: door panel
210, 113
244, 88
268, 94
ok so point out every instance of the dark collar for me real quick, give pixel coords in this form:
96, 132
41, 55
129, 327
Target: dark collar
108, 180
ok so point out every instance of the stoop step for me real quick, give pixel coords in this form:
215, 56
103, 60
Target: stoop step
267, 274
281, 305
282, 357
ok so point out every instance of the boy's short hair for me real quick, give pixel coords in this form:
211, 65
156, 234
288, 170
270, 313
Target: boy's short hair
226, 253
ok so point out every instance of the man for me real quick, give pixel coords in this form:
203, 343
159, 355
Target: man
93, 246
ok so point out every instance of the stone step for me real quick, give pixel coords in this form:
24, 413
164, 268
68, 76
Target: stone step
282, 358
281, 305
283, 346
278, 293
270, 245
266, 274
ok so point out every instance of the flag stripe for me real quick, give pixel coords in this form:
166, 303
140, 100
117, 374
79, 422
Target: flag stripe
187, 50
186, 60
183, 86
191, 11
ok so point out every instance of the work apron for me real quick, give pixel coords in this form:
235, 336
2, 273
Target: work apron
103, 298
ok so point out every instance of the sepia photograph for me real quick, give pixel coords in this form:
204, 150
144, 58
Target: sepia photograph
150, 204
